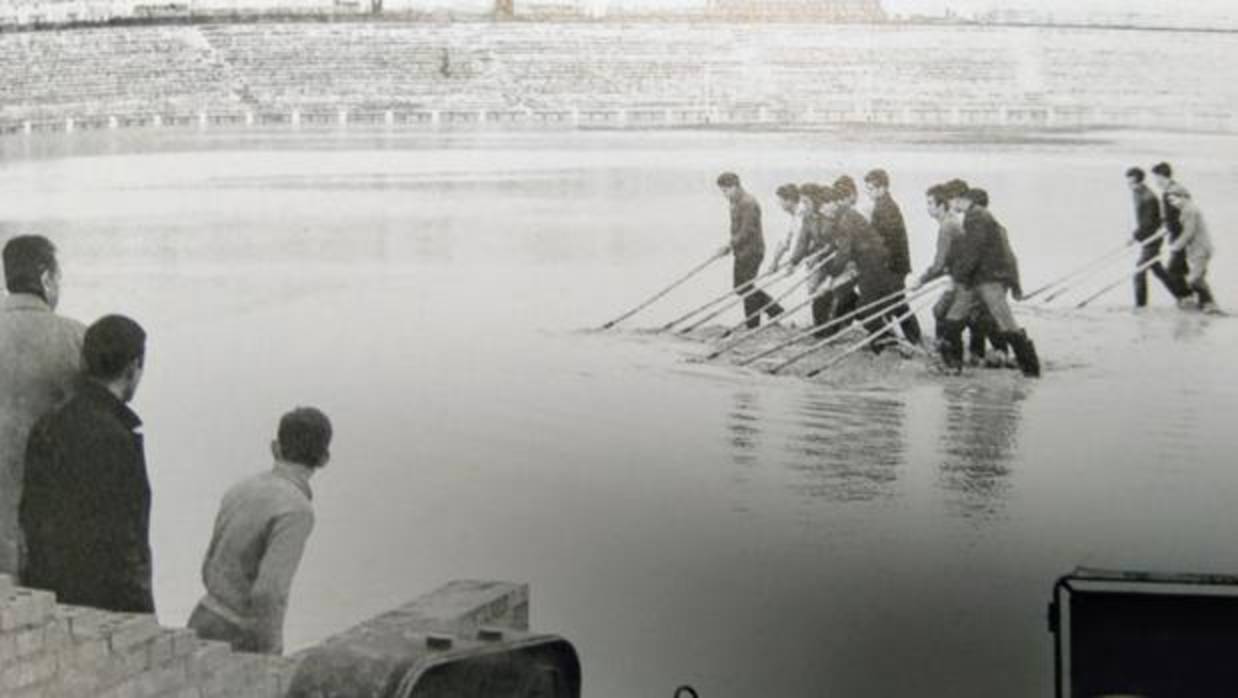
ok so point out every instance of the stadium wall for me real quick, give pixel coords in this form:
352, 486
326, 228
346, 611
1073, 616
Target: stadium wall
422, 75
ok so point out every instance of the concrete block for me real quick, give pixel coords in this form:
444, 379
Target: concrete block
6, 585
29, 641
184, 641
161, 649
134, 630
462, 606
207, 659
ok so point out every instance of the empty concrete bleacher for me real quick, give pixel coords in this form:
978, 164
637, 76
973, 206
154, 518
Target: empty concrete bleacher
918, 74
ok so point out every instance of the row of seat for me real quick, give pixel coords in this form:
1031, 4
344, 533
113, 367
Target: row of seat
384, 65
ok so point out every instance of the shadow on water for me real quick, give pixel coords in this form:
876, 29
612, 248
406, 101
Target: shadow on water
978, 443
847, 447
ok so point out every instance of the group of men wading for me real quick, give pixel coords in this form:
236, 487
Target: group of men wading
75, 498
1190, 245
856, 262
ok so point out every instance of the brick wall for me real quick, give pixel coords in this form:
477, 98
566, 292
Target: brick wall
49, 650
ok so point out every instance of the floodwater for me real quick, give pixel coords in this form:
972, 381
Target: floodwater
880, 531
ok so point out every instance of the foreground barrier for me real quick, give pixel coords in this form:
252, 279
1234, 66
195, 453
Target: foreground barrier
463, 639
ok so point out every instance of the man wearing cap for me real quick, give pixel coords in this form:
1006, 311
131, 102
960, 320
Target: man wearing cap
747, 245
40, 355
984, 270
887, 221
259, 537
1196, 245
85, 510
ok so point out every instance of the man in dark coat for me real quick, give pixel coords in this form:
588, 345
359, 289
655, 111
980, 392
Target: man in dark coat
984, 270
888, 222
1171, 218
747, 245
1148, 219
861, 252
85, 510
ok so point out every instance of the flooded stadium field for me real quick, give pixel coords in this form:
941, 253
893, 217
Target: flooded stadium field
880, 531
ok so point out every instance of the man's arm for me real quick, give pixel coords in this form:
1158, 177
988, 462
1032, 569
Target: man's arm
1189, 220
113, 458
269, 596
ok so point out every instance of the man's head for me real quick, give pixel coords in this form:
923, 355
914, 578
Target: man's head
1177, 196
937, 201
1135, 177
811, 196
114, 354
789, 197
845, 187
956, 189
304, 438
1163, 173
832, 200
30, 267
728, 182
877, 183
978, 197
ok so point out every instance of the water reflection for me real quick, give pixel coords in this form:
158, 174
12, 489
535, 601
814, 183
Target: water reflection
847, 447
978, 443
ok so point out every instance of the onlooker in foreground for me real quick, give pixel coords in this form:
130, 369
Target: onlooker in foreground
259, 536
747, 245
1196, 245
86, 507
39, 362
1148, 224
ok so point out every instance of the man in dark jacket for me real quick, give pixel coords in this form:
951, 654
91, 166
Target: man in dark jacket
1171, 218
1148, 224
984, 270
85, 509
861, 252
888, 222
747, 245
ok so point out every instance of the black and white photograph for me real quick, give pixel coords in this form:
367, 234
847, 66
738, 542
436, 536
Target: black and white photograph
618, 348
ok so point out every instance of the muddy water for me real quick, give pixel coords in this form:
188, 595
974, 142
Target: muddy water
879, 531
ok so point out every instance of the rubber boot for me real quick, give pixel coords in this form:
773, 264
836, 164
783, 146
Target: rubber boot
951, 346
1025, 353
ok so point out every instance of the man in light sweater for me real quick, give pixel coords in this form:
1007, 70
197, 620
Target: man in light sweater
260, 534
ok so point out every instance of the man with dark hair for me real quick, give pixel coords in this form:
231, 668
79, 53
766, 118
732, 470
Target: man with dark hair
40, 355
1196, 244
984, 271
259, 537
860, 253
747, 245
887, 221
1177, 268
86, 507
1148, 223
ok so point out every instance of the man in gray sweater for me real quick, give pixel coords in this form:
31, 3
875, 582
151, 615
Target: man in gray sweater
40, 359
260, 534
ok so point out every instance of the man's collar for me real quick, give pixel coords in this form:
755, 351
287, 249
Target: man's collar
98, 393
295, 473
26, 301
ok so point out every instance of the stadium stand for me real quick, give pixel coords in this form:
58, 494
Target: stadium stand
383, 71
